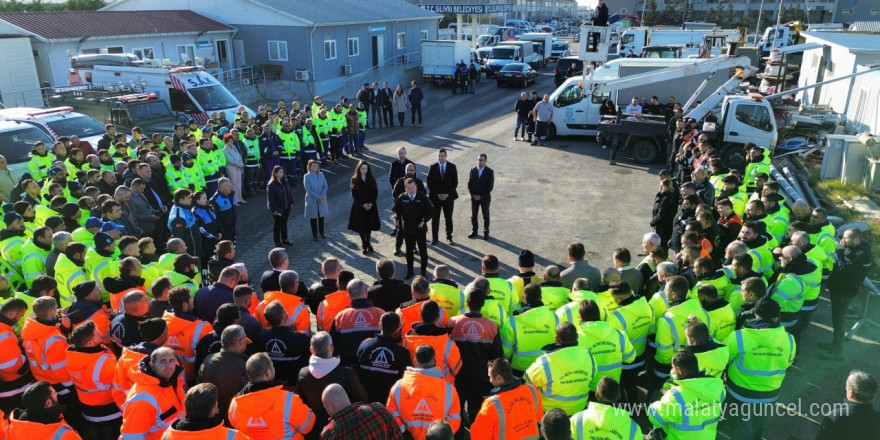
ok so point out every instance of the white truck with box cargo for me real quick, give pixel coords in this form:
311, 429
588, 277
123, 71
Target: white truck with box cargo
528, 54
186, 89
633, 40
440, 57
546, 42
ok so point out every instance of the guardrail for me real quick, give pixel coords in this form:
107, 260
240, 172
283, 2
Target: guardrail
237, 78
381, 71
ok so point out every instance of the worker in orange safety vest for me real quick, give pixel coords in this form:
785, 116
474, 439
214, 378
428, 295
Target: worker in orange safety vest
92, 366
154, 331
185, 330
202, 421
156, 399
512, 411
15, 373
41, 417
422, 396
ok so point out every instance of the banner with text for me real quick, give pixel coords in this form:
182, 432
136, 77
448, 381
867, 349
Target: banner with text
469, 9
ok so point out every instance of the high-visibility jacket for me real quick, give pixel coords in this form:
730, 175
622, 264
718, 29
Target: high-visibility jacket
777, 224
411, 314
272, 413
309, 144
722, 319
330, 307
46, 348
362, 119
738, 200
563, 377
676, 412
762, 259
194, 176
176, 178
27, 298
166, 262
24, 430
10, 249
659, 303
814, 280
14, 375
570, 312
420, 398
824, 239
151, 406
92, 370
178, 279
207, 162
297, 311
290, 144
502, 290
33, 261
6, 269
606, 303
512, 412
634, 319
84, 236
712, 358
609, 346
526, 332
751, 174
604, 421
493, 310
446, 352
716, 279
42, 212
789, 291
519, 282
116, 298
252, 150
39, 166
759, 359
554, 296
218, 432
670, 328
68, 275
184, 333
338, 124
99, 267
125, 367
449, 298
101, 318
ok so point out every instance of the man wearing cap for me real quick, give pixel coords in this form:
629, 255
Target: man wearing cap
192, 172
184, 272
760, 354
12, 239
153, 332
88, 306
71, 213
526, 276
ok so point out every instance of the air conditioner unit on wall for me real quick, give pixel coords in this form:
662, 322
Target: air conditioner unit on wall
346, 69
302, 75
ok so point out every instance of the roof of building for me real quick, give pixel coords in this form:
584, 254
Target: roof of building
854, 42
79, 24
324, 12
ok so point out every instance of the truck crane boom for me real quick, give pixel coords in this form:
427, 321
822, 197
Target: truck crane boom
701, 66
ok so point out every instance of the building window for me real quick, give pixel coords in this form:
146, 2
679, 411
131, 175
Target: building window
144, 53
90, 51
277, 50
115, 49
846, 11
424, 34
329, 49
354, 47
875, 12
186, 53
401, 40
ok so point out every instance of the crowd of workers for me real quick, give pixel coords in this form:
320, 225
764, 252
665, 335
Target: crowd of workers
136, 322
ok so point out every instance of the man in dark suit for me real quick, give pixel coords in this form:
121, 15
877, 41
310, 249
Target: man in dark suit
480, 185
412, 211
376, 110
388, 111
400, 188
397, 170
442, 184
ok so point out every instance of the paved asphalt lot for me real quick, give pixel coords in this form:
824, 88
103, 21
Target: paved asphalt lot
544, 198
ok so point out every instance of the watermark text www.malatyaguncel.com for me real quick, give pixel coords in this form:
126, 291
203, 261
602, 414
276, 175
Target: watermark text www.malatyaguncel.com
744, 411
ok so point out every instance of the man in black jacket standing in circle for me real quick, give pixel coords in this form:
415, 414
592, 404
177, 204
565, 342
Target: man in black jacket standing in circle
412, 211
480, 185
443, 185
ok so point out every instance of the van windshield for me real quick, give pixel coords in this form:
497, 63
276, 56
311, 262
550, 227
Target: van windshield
17, 143
149, 110
560, 46
213, 98
82, 126
502, 54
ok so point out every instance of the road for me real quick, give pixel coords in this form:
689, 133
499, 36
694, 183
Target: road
544, 198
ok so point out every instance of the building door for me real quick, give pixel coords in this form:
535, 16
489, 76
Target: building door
222, 54
238, 55
378, 49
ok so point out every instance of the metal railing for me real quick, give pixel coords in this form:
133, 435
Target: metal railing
237, 78
26, 98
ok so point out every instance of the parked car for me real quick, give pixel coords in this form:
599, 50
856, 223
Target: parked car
517, 73
560, 74
17, 139
57, 122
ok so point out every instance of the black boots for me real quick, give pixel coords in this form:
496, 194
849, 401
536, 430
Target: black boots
321, 227
314, 223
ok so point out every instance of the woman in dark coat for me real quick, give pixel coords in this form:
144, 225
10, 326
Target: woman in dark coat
279, 200
664, 211
364, 217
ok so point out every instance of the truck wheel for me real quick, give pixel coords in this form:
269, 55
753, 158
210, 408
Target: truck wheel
498, 83
644, 152
733, 157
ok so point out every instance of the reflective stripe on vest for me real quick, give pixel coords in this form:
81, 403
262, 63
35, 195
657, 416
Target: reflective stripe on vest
685, 418
545, 364
740, 362
63, 429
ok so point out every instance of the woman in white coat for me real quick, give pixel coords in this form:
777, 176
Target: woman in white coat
234, 166
316, 198
400, 103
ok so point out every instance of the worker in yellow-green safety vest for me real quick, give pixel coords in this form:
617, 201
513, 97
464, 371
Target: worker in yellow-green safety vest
175, 175
323, 125
706, 275
40, 162
634, 317
609, 346
554, 294
252, 164
446, 293
670, 328
311, 143
70, 271
210, 160
362, 129
691, 408
528, 330
712, 356
290, 151
774, 228
12, 239
602, 418
760, 354
192, 173
777, 220
722, 318
815, 255
526, 275
580, 291
789, 287
758, 164
564, 372
34, 253
758, 247
822, 234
